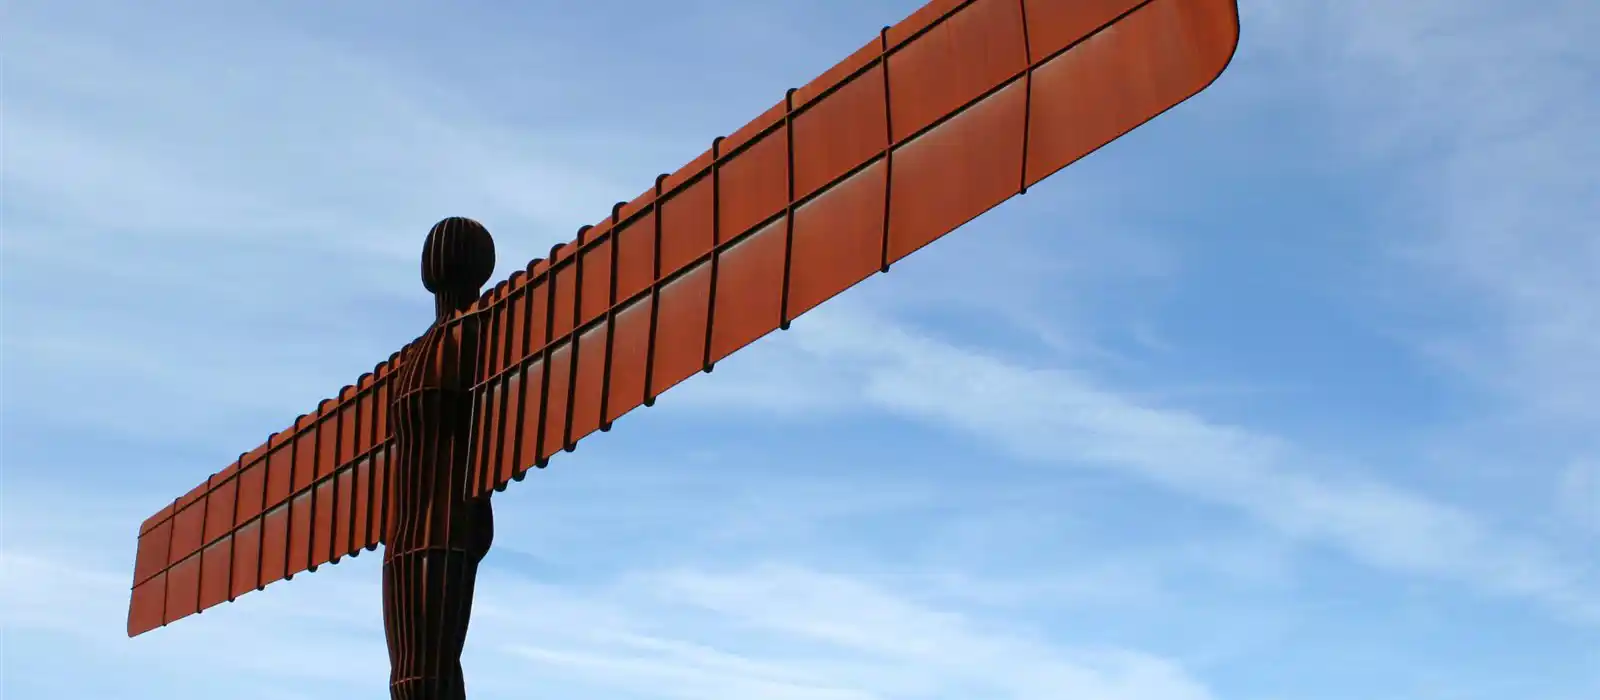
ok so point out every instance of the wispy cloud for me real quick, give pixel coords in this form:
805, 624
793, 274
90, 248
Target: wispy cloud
1056, 416
1069, 452
1480, 113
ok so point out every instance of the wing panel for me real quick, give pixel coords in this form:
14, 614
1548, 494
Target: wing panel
324, 502
636, 251
1111, 82
564, 300
753, 186
588, 383
533, 403
280, 470
188, 531
221, 504
274, 546
183, 589
595, 266
956, 171
954, 63
837, 134
679, 342
492, 406
630, 352
838, 239
1054, 25
216, 572
748, 300
361, 506
304, 455
348, 422
246, 558
509, 451
146, 608
557, 397
151, 557
379, 515
686, 227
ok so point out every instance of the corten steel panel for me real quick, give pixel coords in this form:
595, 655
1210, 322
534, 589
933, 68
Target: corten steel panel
588, 384
183, 588
516, 323
246, 558
159, 517
566, 288
983, 143
1054, 25
749, 293
596, 274
1105, 86
146, 606
188, 532
837, 239
362, 500
508, 451
220, 506
378, 511
151, 557
687, 231
955, 62
753, 187
533, 406
305, 453
636, 249
327, 441
840, 133
491, 413
274, 546
323, 503
630, 352
280, 471
347, 427
558, 377
841, 72
344, 514
926, 115
251, 492
678, 348
300, 512
216, 572
366, 416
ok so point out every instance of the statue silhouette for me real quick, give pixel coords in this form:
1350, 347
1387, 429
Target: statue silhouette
437, 535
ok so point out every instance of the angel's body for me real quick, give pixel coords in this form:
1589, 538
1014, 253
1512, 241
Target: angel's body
438, 535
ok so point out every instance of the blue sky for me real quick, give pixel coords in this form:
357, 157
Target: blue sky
1288, 394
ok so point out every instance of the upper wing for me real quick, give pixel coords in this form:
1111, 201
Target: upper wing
945, 115
311, 494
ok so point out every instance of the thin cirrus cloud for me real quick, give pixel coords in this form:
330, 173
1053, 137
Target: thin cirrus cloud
1062, 515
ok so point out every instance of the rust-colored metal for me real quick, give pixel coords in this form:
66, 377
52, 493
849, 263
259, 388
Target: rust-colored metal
438, 532
943, 116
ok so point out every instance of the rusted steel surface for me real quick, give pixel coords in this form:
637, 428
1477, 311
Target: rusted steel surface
943, 116
946, 115
436, 536
310, 495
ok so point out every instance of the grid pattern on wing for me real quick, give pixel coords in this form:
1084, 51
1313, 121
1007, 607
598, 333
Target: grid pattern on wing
945, 115
308, 496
